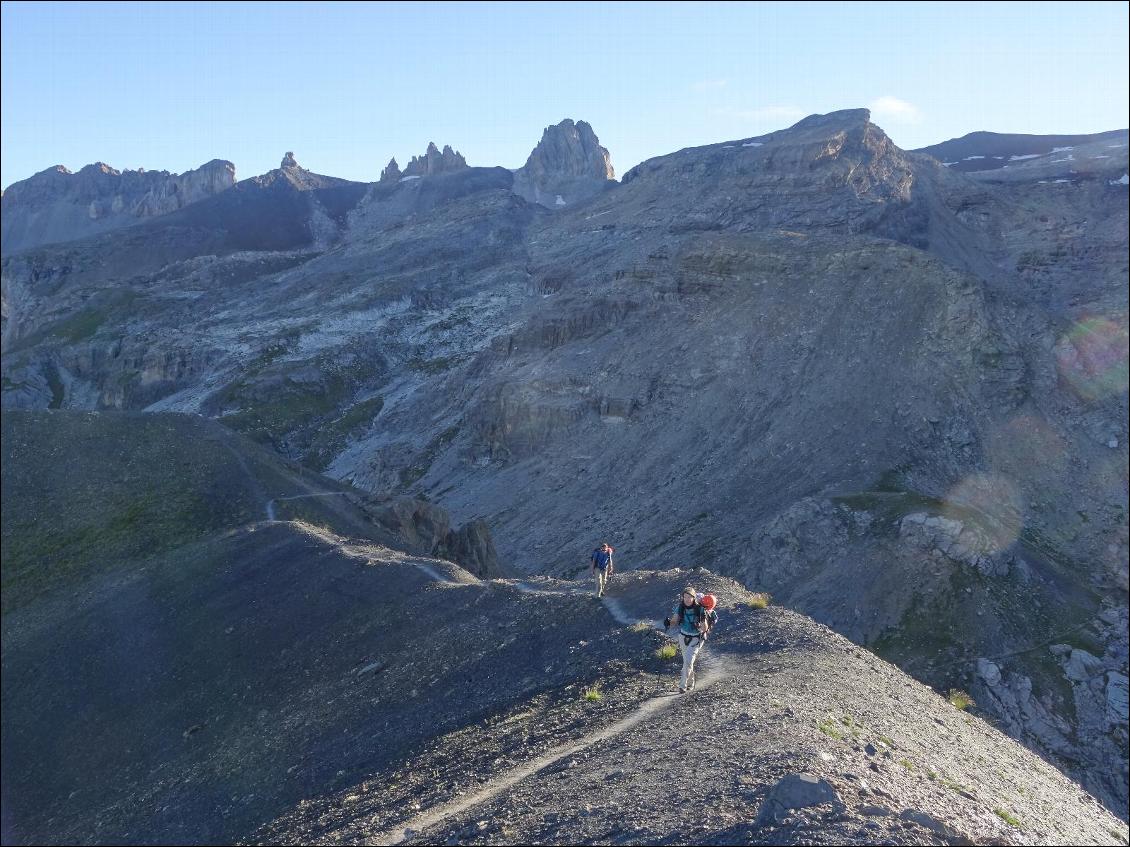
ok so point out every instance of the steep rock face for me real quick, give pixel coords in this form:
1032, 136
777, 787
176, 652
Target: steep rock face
567, 166
57, 205
434, 162
427, 530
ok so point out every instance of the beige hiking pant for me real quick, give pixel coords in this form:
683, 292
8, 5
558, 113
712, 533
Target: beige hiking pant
690, 653
601, 580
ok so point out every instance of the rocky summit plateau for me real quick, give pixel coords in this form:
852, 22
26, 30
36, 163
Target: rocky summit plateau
886, 387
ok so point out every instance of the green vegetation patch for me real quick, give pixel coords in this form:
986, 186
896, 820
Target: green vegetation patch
332, 438
299, 416
88, 491
667, 651
829, 727
1009, 819
80, 326
960, 699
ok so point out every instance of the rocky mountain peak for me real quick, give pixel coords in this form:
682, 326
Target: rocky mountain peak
567, 165
288, 161
391, 172
570, 149
435, 162
842, 119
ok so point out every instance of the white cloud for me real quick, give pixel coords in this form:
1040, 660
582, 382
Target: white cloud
765, 113
894, 110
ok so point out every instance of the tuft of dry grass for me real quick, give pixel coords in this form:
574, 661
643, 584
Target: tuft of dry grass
960, 699
759, 600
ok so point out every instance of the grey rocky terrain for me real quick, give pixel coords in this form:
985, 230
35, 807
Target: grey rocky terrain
984, 151
57, 205
891, 393
283, 671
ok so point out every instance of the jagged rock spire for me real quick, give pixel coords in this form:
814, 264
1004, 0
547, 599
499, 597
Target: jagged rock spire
435, 162
568, 165
391, 173
288, 161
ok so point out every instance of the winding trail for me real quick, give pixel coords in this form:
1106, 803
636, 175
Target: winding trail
714, 667
270, 507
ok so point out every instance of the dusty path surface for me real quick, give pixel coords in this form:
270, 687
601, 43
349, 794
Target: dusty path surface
713, 671
712, 668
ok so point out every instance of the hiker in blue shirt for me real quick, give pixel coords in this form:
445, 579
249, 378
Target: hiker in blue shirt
600, 565
695, 619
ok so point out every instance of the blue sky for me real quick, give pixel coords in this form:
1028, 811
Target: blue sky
172, 85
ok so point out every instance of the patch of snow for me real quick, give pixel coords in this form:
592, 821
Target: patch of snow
949, 164
1061, 149
967, 158
560, 201
998, 157
753, 144
1125, 180
1069, 158
1061, 180
406, 178
727, 146
1115, 146
1100, 157
1041, 182
1029, 156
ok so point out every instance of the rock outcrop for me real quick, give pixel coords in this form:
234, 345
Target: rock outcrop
391, 172
57, 205
567, 166
435, 162
426, 529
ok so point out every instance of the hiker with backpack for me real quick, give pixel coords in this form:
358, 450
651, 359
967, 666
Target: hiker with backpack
600, 565
695, 617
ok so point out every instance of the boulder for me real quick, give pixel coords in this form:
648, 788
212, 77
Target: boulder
1082, 666
796, 791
